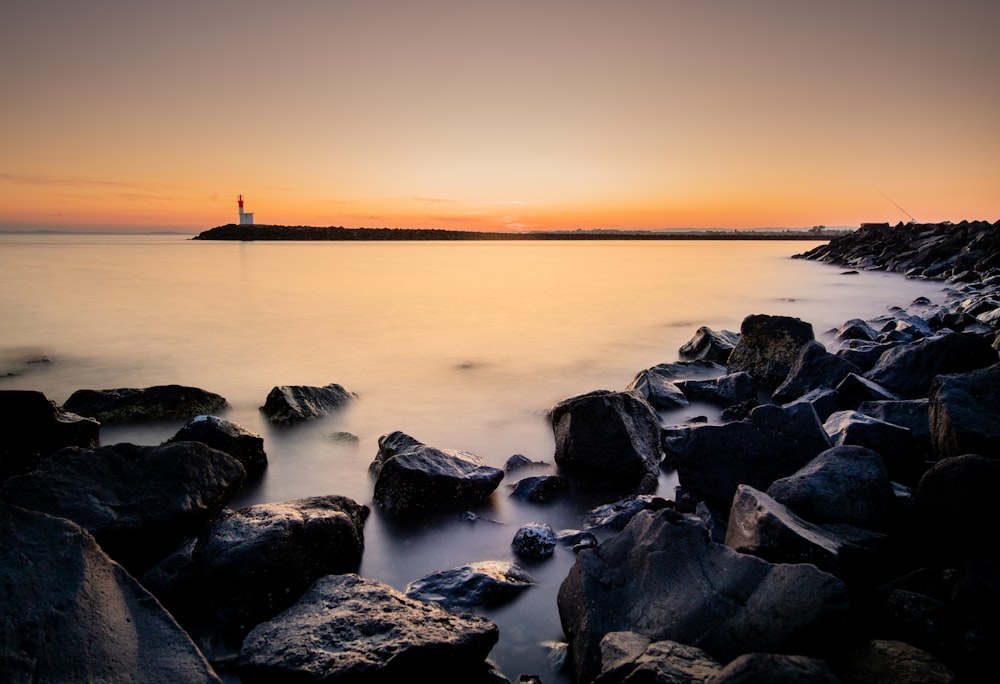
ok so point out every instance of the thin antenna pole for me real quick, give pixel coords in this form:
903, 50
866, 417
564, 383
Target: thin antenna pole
889, 199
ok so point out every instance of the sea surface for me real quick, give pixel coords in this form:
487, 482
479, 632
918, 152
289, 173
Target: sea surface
462, 345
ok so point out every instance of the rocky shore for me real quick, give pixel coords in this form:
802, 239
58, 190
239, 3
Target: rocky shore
834, 525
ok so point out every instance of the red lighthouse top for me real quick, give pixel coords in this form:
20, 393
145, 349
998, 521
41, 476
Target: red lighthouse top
240, 200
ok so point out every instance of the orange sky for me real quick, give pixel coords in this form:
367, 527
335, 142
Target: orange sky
498, 115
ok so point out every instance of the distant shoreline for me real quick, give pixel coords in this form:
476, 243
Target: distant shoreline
338, 233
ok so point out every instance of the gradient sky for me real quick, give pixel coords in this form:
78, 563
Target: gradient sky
512, 115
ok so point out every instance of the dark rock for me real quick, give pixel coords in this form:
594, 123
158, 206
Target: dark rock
856, 329
293, 403
534, 541
32, 427
577, 539
727, 390
909, 369
540, 489
139, 502
865, 355
856, 389
251, 564
894, 443
768, 346
658, 389
814, 368
845, 484
412, 477
964, 413
662, 578
618, 514
127, 405
608, 437
709, 345
712, 460
69, 614
631, 658
881, 660
350, 629
218, 433
484, 584
824, 402
519, 461
775, 668
913, 414
738, 411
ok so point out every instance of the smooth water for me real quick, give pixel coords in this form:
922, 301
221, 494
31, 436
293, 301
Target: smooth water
462, 345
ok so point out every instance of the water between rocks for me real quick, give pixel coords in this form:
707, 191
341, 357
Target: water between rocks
462, 345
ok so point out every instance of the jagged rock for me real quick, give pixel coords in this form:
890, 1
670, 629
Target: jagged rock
727, 390
534, 541
768, 346
412, 477
823, 400
32, 427
963, 413
610, 437
658, 389
69, 614
894, 443
909, 369
775, 668
864, 355
913, 414
814, 368
661, 577
294, 403
616, 515
162, 402
139, 502
631, 658
712, 460
540, 489
350, 629
484, 584
249, 565
245, 446
845, 484
856, 389
709, 345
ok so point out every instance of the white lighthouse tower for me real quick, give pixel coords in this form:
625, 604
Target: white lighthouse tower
245, 218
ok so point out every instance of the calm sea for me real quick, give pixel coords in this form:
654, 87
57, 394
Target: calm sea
461, 345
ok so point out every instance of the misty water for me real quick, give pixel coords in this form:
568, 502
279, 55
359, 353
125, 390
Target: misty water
462, 345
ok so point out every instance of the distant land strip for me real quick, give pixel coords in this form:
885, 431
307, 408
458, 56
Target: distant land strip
233, 231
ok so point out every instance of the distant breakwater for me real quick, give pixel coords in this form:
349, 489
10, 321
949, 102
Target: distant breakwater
339, 233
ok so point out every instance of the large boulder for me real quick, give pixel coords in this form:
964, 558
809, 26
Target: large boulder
69, 614
712, 460
709, 345
768, 346
894, 443
963, 413
608, 437
251, 564
814, 368
129, 404
909, 370
350, 629
631, 658
245, 446
138, 501
663, 578
32, 427
483, 584
411, 477
286, 404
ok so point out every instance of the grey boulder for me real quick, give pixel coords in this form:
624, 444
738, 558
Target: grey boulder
286, 404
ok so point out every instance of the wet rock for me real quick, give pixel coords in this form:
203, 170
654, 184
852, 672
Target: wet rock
814, 368
728, 390
913, 414
249, 565
824, 402
286, 404
540, 489
662, 578
909, 369
577, 539
350, 629
775, 668
855, 389
709, 345
608, 437
484, 584
534, 541
963, 413
32, 427
881, 660
768, 346
139, 502
245, 446
864, 355
412, 477
856, 329
69, 614
894, 443
658, 389
128, 405
632, 658
616, 515
520, 461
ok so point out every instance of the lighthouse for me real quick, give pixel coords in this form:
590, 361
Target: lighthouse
245, 218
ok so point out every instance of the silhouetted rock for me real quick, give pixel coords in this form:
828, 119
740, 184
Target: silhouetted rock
964, 413
294, 403
824, 402
768, 346
660, 390
484, 584
728, 390
32, 427
128, 405
894, 443
909, 369
218, 433
709, 345
814, 368
855, 389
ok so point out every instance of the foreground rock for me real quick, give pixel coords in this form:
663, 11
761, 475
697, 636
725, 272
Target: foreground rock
218, 433
127, 405
287, 404
964, 413
908, 370
411, 477
139, 502
768, 346
253, 563
775, 668
69, 614
484, 584
32, 427
608, 437
350, 629
663, 578
634, 658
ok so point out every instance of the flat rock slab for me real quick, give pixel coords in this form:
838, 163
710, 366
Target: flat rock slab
129, 404
351, 629
286, 404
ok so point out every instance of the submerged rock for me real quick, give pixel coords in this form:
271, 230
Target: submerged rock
294, 403
534, 541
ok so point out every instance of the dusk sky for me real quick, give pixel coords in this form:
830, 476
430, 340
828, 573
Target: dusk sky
498, 115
